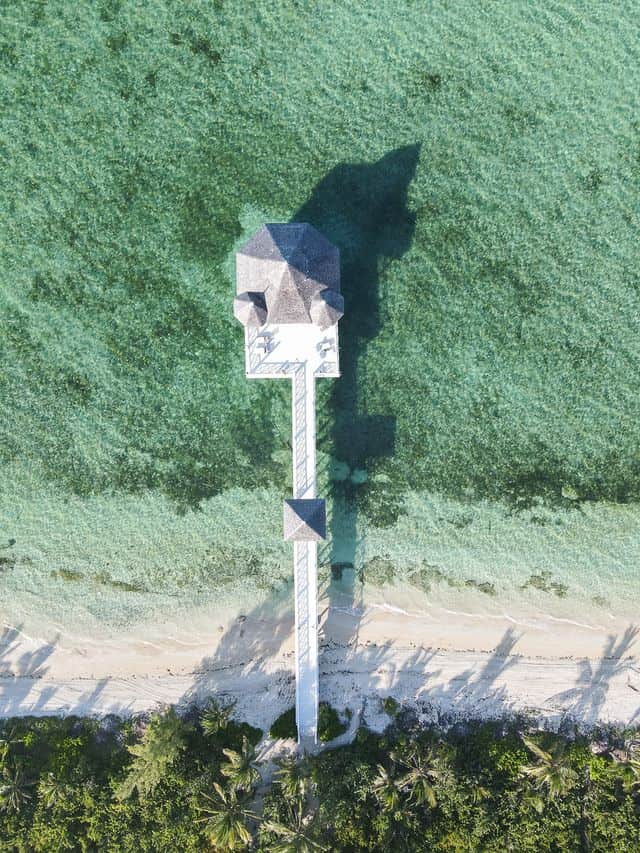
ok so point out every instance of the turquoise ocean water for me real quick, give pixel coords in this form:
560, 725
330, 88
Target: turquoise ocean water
479, 168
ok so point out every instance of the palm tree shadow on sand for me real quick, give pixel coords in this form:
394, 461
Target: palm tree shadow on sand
19, 673
253, 667
362, 209
585, 700
25, 690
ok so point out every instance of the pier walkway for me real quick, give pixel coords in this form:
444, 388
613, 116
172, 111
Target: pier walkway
301, 353
305, 555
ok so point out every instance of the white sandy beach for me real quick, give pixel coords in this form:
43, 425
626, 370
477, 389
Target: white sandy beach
441, 642
439, 662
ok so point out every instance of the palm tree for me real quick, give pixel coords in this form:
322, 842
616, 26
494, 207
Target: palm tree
553, 771
422, 772
296, 836
215, 718
241, 768
477, 792
51, 790
385, 790
533, 800
294, 778
226, 818
632, 768
13, 789
8, 738
163, 741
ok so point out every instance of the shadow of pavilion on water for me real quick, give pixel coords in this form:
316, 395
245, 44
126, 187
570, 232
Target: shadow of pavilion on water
362, 209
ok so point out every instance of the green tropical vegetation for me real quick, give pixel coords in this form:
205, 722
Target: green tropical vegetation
164, 783
329, 724
161, 743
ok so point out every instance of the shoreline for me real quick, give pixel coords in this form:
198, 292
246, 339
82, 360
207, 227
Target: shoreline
476, 665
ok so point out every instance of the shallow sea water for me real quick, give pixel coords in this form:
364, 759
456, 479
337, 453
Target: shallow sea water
479, 168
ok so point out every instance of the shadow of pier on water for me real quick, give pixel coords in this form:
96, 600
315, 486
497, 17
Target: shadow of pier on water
362, 208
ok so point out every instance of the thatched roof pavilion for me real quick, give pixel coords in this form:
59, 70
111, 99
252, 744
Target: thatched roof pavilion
293, 272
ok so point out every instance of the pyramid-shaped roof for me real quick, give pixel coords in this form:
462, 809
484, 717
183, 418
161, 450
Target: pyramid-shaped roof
297, 243
326, 308
305, 520
250, 309
290, 263
287, 303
